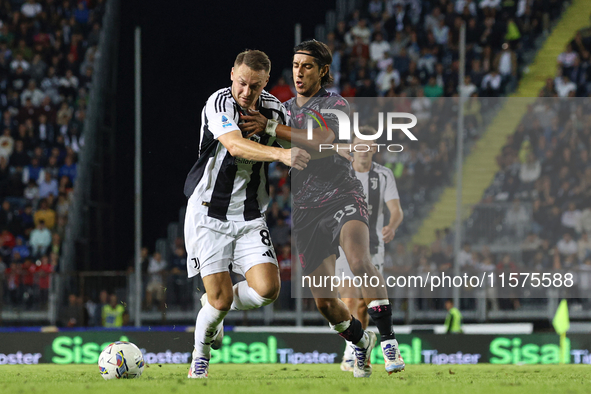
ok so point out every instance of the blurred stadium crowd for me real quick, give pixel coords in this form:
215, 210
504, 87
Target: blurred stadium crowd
47, 52
411, 48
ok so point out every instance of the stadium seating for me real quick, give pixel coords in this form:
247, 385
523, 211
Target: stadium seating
47, 52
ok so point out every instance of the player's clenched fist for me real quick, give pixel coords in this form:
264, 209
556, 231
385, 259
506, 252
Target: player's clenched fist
296, 157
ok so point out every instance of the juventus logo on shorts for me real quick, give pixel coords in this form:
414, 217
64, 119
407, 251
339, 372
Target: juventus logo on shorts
196, 262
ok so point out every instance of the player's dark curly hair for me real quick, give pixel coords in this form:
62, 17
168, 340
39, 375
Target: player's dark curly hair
321, 54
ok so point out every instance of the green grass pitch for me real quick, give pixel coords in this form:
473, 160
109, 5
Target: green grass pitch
258, 379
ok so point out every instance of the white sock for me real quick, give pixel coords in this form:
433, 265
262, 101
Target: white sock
364, 341
246, 298
375, 303
349, 354
205, 328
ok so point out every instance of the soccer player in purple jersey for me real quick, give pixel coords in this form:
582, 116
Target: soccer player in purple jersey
329, 208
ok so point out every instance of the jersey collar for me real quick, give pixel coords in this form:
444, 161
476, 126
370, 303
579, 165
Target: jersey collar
319, 93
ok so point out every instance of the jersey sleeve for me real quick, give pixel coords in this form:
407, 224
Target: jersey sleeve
285, 118
391, 191
219, 112
280, 113
287, 106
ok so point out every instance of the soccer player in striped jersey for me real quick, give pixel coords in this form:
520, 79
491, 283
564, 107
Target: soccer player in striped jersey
228, 195
379, 187
329, 208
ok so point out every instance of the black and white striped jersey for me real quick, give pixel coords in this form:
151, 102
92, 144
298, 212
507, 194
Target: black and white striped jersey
222, 186
379, 186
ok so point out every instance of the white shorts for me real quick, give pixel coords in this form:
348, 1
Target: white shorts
212, 244
342, 268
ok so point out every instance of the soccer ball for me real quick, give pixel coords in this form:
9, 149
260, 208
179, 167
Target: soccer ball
121, 360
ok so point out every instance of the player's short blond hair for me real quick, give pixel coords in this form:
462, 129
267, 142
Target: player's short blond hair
255, 60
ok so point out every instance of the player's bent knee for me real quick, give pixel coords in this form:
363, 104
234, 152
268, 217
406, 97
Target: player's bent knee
269, 292
265, 281
220, 303
272, 293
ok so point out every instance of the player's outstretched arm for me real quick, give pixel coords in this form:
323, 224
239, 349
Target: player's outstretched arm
244, 148
256, 123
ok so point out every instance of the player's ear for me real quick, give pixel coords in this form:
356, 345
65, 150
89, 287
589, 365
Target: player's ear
232, 74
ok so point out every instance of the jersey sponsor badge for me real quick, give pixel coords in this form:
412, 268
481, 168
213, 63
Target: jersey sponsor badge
225, 121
